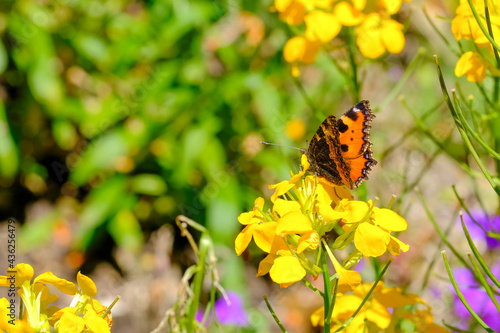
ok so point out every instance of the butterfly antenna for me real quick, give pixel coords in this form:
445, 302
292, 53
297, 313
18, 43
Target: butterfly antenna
278, 145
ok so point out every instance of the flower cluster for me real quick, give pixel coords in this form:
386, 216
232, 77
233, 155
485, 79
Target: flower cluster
473, 64
323, 20
304, 209
383, 309
84, 314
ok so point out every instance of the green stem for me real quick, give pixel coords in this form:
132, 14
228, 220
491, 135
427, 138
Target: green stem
478, 256
326, 292
461, 296
412, 67
495, 124
354, 66
198, 281
304, 94
440, 232
276, 319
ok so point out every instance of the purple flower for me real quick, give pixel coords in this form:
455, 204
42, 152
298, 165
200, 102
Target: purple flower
477, 298
229, 312
488, 224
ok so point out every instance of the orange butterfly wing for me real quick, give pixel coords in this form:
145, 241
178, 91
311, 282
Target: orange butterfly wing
354, 137
340, 151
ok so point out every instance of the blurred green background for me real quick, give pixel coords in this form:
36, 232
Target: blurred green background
117, 116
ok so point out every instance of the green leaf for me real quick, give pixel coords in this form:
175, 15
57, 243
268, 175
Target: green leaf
4, 59
9, 160
101, 155
149, 184
103, 203
126, 231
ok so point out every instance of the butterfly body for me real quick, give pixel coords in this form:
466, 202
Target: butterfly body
340, 151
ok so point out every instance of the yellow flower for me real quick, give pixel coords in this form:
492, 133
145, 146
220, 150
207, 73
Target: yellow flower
300, 50
281, 188
292, 232
372, 236
384, 307
346, 305
22, 272
261, 231
471, 64
376, 35
392, 6
8, 322
36, 298
290, 11
295, 129
464, 24
309, 240
321, 26
348, 15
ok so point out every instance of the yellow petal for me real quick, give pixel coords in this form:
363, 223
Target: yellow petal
287, 270
369, 40
348, 15
95, 323
71, 323
317, 317
309, 240
304, 162
24, 272
266, 264
371, 240
359, 4
281, 188
61, 284
264, 234
456, 26
370, 44
246, 218
321, 26
86, 285
323, 3
464, 64
395, 297
243, 239
294, 13
345, 306
388, 219
395, 246
378, 315
393, 39
282, 207
293, 223
282, 5
348, 279
392, 6
354, 210
471, 64
328, 213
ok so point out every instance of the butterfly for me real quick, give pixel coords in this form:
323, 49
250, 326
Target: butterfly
340, 151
